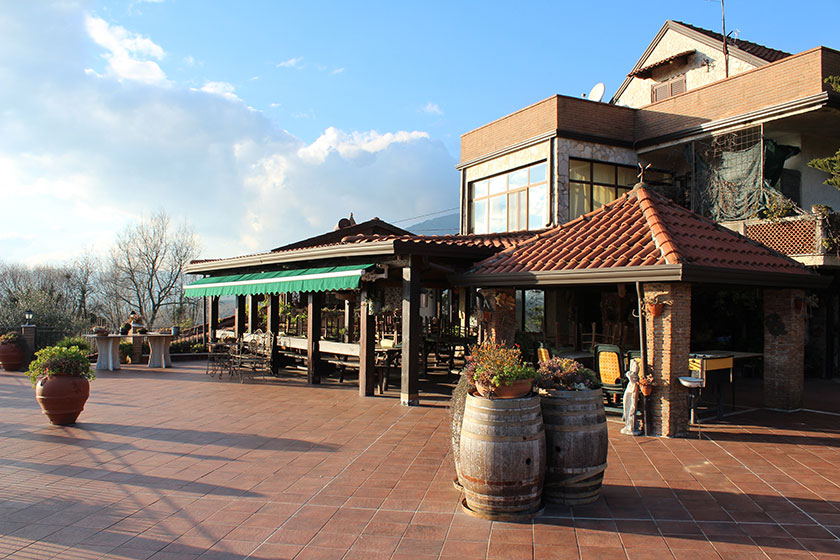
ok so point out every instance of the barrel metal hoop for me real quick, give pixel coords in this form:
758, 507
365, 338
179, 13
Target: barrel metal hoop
483, 437
587, 428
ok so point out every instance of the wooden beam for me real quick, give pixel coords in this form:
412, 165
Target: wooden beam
239, 316
349, 322
409, 392
367, 363
253, 313
313, 336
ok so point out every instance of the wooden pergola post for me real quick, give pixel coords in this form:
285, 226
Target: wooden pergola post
409, 392
313, 336
273, 313
239, 316
349, 323
367, 362
214, 317
253, 313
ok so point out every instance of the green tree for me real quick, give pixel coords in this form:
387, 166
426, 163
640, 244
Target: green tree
831, 164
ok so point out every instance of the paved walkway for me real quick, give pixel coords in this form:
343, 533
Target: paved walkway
175, 465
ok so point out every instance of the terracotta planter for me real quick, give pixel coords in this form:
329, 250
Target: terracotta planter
62, 397
515, 390
655, 309
11, 357
647, 390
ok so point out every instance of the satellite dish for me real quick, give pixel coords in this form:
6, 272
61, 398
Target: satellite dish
597, 92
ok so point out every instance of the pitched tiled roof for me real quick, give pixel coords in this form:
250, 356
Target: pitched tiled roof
489, 240
645, 71
762, 52
639, 229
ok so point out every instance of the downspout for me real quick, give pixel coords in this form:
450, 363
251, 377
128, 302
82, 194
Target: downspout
642, 337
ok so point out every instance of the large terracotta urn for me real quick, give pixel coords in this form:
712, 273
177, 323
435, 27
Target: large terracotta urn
11, 357
62, 397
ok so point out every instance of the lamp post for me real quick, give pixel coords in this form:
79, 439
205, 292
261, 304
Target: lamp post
28, 316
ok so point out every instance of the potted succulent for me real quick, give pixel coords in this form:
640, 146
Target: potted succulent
576, 432
60, 376
11, 351
498, 372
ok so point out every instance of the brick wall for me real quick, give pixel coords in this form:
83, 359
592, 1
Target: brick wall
784, 348
570, 114
789, 79
668, 338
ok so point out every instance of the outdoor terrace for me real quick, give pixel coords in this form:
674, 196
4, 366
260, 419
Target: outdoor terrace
169, 464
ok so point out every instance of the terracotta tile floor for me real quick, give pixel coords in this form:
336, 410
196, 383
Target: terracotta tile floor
176, 465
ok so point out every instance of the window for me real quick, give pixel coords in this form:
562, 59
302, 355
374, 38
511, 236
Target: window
513, 201
593, 184
667, 89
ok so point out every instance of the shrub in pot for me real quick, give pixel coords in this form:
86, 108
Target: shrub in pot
11, 351
60, 376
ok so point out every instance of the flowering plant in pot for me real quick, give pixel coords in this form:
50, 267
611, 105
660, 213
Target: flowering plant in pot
60, 376
564, 374
11, 351
646, 383
498, 371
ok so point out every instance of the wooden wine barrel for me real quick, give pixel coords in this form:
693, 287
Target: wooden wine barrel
502, 457
576, 446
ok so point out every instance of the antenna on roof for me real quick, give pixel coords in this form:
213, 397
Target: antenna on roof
597, 92
725, 40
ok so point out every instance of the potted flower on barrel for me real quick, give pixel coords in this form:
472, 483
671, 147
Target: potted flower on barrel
11, 351
60, 376
575, 432
498, 371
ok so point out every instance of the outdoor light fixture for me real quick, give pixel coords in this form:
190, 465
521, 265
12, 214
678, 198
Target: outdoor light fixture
28, 316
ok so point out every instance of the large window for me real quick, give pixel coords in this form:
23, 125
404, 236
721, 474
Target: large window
593, 184
510, 202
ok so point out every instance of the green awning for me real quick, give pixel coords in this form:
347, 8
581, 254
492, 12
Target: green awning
328, 279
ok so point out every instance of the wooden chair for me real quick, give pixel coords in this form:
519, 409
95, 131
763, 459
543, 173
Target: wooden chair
610, 363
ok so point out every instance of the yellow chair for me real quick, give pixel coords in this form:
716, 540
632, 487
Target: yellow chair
610, 364
543, 355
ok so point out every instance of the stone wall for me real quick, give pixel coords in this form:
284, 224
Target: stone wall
784, 348
667, 340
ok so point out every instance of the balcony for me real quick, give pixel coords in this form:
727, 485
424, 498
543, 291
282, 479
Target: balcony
809, 239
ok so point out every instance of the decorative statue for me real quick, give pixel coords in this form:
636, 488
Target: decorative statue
630, 396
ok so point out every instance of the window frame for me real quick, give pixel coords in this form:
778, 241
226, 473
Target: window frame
591, 183
509, 193
668, 86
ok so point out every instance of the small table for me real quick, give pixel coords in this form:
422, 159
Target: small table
159, 350
108, 348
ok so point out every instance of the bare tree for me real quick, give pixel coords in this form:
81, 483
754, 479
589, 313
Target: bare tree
147, 263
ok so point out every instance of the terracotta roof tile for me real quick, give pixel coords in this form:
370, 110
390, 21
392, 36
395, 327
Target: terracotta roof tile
641, 228
765, 53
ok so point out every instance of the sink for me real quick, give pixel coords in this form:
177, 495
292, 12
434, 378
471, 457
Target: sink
692, 382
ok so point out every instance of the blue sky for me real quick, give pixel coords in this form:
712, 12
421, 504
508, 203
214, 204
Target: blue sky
261, 123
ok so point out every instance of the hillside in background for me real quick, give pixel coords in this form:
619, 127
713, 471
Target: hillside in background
442, 225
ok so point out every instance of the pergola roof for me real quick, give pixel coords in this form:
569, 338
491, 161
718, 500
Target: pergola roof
468, 248
641, 236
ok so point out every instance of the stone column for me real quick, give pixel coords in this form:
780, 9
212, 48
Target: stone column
502, 324
784, 348
668, 337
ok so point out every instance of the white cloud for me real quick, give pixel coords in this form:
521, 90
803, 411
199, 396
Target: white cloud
82, 158
431, 108
223, 89
291, 63
337, 71
354, 144
127, 52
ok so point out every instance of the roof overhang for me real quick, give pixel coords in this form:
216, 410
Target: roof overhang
655, 273
647, 71
327, 279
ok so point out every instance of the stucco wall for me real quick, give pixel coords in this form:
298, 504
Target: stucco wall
637, 93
